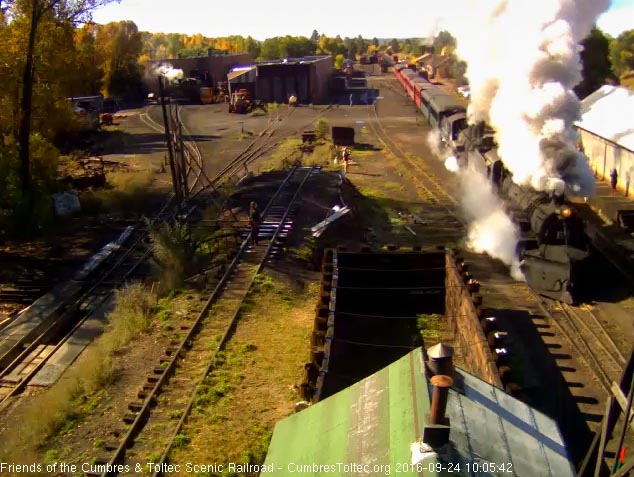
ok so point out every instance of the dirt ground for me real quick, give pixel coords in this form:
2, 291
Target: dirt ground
386, 204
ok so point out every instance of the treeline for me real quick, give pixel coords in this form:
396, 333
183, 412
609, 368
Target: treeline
51, 51
162, 46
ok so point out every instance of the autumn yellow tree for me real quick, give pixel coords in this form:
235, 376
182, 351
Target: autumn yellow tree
34, 12
120, 46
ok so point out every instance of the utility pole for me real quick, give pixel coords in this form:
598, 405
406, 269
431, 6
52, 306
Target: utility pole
168, 138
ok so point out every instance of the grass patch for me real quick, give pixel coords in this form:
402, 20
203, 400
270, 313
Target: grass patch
322, 128
306, 252
430, 327
253, 384
59, 409
323, 155
181, 440
124, 193
172, 253
287, 152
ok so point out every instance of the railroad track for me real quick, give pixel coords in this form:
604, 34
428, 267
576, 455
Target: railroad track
26, 349
580, 326
434, 191
589, 338
192, 157
24, 354
190, 355
32, 281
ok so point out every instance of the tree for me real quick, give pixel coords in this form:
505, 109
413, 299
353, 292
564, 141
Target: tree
120, 44
36, 10
442, 40
174, 44
315, 36
338, 63
394, 45
252, 47
596, 67
361, 44
352, 51
87, 73
622, 53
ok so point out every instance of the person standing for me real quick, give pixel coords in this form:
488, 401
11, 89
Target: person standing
346, 158
254, 222
614, 177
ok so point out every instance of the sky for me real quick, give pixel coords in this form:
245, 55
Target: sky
262, 20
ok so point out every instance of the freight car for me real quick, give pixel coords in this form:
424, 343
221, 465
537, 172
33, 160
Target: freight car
554, 250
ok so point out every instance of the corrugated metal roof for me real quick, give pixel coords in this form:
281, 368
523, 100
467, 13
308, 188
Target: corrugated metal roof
378, 422
609, 113
373, 422
247, 73
490, 426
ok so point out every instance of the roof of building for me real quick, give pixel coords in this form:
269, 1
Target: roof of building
378, 422
247, 72
295, 61
608, 113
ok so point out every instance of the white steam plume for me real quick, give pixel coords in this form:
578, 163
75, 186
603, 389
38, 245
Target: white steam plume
522, 63
491, 230
168, 71
435, 144
451, 164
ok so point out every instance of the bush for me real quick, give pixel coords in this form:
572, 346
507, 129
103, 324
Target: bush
124, 194
31, 213
322, 128
173, 253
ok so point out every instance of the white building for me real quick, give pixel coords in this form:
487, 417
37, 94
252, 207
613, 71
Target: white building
607, 134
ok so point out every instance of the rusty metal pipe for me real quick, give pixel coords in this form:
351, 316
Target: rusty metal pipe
439, 397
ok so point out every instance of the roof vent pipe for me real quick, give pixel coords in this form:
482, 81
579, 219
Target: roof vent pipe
439, 397
437, 428
440, 359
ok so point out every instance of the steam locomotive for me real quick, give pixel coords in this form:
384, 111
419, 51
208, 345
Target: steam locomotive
554, 250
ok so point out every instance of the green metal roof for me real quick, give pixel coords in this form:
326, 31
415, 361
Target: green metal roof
372, 423
377, 423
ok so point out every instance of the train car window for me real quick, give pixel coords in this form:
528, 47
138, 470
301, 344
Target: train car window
458, 126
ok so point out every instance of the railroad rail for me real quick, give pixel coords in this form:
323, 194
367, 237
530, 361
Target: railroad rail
433, 189
25, 353
589, 338
580, 326
190, 355
27, 347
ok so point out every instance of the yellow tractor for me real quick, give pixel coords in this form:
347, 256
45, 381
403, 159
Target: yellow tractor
240, 102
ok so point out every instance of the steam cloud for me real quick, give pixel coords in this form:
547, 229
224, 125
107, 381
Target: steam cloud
168, 71
522, 63
490, 229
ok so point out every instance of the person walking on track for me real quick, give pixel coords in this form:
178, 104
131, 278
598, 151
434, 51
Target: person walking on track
254, 222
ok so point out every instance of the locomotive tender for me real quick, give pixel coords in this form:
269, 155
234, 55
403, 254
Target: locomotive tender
554, 248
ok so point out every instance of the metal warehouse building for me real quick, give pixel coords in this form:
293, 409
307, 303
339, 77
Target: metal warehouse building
607, 134
275, 81
209, 69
